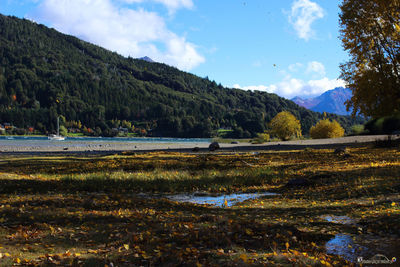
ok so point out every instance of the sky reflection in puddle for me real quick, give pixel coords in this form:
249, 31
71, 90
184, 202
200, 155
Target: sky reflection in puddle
343, 245
351, 247
339, 219
217, 200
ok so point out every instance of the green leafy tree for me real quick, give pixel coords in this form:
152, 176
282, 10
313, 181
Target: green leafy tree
63, 130
99, 89
326, 129
284, 125
370, 32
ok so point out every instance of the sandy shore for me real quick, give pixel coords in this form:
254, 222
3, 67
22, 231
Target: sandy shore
117, 147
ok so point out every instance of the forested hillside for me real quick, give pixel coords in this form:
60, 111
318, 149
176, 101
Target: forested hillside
44, 74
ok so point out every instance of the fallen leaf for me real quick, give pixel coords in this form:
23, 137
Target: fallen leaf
243, 257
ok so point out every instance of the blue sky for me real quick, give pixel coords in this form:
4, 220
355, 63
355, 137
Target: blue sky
287, 47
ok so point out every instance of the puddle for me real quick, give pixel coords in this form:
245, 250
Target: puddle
217, 200
362, 246
343, 245
339, 219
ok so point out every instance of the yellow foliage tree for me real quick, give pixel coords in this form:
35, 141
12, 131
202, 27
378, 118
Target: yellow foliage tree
284, 125
326, 129
370, 32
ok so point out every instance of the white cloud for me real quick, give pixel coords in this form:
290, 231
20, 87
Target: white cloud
302, 15
130, 32
291, 87
316, 67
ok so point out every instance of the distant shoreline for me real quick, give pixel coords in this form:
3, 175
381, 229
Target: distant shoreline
93, 147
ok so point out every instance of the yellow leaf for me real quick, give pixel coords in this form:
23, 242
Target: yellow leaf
326, 263
287, 245
397, 27
17, 260
313, 244
126, 246
249, 232
393, 204
243, 257
296, 253
7, 254
199, 265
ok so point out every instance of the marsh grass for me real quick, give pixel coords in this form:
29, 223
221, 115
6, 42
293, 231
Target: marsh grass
167, 180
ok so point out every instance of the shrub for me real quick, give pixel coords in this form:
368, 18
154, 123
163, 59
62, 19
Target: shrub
375, 126
63, 130
284, 125
384, 125
391, 124
261, 138
357, 129
326, 129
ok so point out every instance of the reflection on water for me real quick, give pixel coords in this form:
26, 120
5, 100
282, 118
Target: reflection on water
366, 246
363, 245
217, 200
343, 245
339, 219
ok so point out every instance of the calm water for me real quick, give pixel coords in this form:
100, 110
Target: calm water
219, 200
354, 247
77, 141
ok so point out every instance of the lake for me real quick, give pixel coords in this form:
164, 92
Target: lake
42, 143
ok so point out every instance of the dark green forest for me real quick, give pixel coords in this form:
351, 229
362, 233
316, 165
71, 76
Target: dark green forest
44, 74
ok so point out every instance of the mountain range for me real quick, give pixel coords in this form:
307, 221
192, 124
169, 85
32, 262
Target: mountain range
332, 101
45, 74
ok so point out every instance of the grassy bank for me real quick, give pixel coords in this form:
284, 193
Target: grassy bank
72, 210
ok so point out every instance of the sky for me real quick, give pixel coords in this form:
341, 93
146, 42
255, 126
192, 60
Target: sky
287, 47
